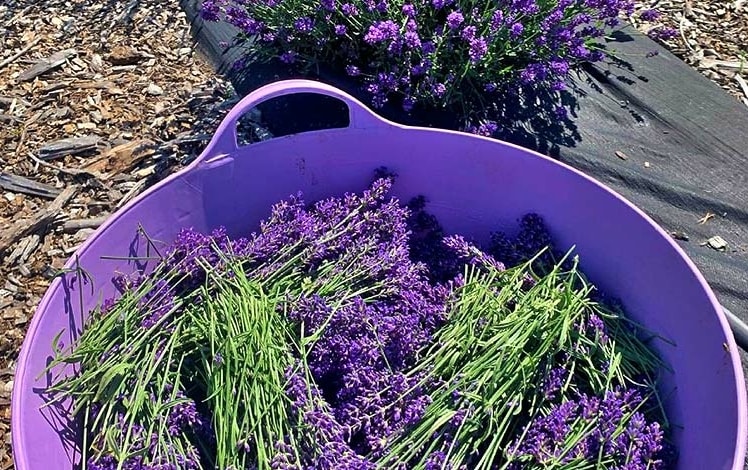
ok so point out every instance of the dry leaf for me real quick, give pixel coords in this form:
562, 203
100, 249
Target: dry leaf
121, 158
124, 55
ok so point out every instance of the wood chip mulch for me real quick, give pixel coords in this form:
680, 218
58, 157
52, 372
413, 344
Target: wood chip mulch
712, 37
98, 100
101, 98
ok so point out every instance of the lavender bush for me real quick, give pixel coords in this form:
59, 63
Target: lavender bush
461, 55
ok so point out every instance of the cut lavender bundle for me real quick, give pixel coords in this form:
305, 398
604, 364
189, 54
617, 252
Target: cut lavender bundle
531, 375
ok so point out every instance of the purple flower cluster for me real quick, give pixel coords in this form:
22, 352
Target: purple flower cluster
554, 381
613, 427
184, 417
184, 422
445, 255
382, 31
533, 237
649, 15
156, 303
414, 49
192, 252
663, 34
326, 445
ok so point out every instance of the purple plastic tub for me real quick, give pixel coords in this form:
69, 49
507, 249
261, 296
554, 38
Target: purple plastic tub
473, 185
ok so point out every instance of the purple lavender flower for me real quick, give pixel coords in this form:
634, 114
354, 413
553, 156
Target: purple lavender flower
108, 304
525, 7
579, 51
241, 19
552, 20
184, 416
340, 30
559, 66
533, 73
381, 31
210, 11
328, 5
395, 48
438, 89
190, 247
638, 446
478, 49
421, 69
554, 381
468, 33
662, 34
387, 81
218, 359
580, 19
428, 47
106, 462
409, 10
470, 252
497, 20
412, 40
516, 30
560, 112
374, 88
564, 36
439, 4
435, 460
454, 20
288, 57
352, 71
349, 9
304, 25
488, 129
649, 15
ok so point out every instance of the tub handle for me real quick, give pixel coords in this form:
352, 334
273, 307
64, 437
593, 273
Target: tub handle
224, 142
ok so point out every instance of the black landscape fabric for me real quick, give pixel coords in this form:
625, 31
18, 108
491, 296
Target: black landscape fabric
651, 128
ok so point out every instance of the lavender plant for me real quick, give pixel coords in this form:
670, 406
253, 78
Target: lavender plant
462, 55
350, 333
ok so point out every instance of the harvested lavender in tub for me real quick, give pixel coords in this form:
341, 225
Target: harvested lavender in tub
353, 334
